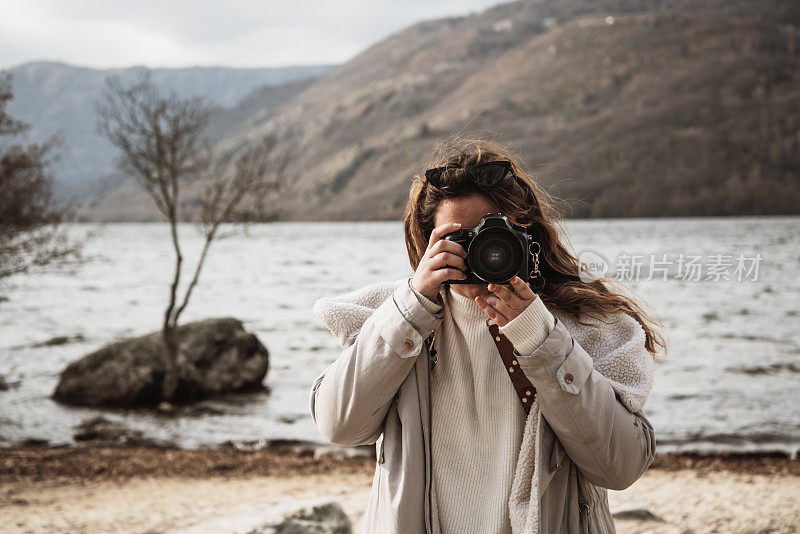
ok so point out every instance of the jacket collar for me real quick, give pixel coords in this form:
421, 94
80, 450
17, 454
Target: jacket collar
345, 313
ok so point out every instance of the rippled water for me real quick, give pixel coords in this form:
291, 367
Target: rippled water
730, 381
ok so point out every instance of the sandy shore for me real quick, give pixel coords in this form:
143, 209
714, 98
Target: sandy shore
141, 489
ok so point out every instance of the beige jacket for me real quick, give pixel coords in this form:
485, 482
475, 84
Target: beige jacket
586, 431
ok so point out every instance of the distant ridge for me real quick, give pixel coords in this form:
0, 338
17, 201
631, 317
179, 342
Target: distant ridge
627, 108
52, 95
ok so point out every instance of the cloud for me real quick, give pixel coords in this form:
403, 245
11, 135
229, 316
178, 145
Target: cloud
173, 33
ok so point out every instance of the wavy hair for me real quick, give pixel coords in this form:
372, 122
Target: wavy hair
521, 199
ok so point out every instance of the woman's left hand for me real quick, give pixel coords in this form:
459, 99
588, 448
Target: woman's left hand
506, 302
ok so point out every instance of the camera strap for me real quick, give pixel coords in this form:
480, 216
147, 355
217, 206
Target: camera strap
523, 386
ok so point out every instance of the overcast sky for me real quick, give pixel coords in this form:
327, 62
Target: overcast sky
181, 33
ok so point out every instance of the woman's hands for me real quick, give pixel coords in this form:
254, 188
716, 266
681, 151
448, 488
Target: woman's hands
506, 302
444, 260
433, 269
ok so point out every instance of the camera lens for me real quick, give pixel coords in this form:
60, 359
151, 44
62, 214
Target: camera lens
495, 255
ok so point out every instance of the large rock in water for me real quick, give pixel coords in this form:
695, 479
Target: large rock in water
215, 356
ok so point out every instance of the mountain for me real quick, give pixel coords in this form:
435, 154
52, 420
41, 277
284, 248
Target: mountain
625, 108
52, 96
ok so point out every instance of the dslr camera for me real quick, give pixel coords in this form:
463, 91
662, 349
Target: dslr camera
497, 251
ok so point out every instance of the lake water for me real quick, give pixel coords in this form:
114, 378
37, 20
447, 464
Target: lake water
731, 380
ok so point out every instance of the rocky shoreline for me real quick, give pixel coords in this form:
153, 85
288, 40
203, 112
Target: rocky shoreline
94, 487
93, 461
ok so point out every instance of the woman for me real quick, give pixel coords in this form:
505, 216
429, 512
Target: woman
420, 375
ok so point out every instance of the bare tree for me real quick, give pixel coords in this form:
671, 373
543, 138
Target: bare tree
30, 235
161, 145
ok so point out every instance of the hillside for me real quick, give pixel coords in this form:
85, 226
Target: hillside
690, 109
52, 96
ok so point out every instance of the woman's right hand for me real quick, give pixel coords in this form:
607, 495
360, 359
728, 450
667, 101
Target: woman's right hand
443, 260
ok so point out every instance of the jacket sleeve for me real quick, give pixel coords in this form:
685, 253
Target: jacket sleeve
611, 445
350, 399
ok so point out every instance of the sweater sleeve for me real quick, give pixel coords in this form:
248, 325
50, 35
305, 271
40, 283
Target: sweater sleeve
530, 328
431, 306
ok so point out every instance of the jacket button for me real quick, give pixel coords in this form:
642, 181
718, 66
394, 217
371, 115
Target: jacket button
568, 378
408, 344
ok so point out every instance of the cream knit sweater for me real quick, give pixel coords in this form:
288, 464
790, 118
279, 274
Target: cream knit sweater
478, 420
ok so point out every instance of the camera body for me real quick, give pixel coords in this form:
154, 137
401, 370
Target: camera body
497, 251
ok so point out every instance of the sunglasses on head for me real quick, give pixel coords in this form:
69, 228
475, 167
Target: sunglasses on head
487, 173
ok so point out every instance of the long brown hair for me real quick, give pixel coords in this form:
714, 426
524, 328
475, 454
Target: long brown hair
522, 200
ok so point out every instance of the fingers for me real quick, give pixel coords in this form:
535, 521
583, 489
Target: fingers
505, 303
443, 275
444, 245
523, 289
496, 303
443, 259
441, 231
511, 299
491, 311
